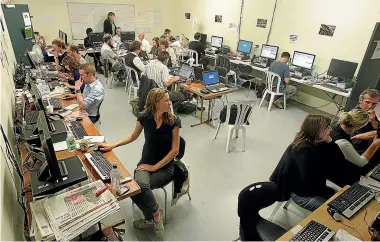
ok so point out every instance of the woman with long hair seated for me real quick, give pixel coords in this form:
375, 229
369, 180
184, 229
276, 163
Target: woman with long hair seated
300, 174
155, 169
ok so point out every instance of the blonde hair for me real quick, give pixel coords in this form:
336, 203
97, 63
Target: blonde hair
154, 96
107, 37
88, 68
354, 118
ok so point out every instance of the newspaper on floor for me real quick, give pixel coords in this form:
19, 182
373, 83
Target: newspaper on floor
74, 211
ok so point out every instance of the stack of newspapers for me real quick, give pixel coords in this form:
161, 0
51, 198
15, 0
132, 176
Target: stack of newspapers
71, 212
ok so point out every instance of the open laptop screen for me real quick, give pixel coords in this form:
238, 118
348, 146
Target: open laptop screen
185, 71
210, 78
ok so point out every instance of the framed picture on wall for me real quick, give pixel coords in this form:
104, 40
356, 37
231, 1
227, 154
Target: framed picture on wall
218, 18
187, 15
327, 30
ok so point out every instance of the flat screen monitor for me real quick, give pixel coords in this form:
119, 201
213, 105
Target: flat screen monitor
96, 37
244, 46
216, 41
342, 69
203, 39
60, 35
128, 36
269, 52
210, 78
185, 72
303, 60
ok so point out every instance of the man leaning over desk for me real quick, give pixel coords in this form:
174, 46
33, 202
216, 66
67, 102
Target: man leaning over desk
93, 93
282, 69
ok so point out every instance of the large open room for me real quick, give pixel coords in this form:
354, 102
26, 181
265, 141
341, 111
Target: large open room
239, 120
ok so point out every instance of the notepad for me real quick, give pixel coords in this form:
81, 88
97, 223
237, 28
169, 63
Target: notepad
71, 107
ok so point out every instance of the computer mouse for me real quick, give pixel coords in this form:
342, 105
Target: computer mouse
205, 91
79, 119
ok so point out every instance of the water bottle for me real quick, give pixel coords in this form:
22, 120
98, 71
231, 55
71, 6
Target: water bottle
115, 177
70, 141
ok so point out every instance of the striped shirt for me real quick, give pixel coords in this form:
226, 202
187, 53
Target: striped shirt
158, 72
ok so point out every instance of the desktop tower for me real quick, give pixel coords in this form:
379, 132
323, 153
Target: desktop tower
369, 72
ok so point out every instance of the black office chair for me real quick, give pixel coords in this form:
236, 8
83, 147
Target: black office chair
251, 200
245, 77
223, 66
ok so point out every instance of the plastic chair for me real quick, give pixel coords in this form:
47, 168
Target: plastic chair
272, 89
129, 82
194, 58
251, 200
243, 112
223, 66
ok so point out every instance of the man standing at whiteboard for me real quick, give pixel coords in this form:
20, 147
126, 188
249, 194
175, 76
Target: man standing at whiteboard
145, 45
109, 26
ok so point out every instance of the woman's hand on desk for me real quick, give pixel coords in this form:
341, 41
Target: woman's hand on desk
145, 167
105, 147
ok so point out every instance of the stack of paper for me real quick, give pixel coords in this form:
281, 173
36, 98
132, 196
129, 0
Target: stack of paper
74, 211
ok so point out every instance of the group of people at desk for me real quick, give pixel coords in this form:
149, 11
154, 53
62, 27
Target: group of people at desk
341, 153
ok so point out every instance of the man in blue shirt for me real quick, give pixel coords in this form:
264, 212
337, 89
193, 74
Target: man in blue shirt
282, 69
93, 93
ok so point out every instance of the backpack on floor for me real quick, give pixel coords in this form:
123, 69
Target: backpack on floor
186, 108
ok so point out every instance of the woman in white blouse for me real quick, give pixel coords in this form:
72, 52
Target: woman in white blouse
348, 123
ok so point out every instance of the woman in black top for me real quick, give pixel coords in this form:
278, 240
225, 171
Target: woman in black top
155, 47
300, 174
155, 169
109, 26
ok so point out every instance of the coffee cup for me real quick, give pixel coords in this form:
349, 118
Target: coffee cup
84, 144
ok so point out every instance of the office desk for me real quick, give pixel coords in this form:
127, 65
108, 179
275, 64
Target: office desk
357, 221
196, 88
248, 63
91, 131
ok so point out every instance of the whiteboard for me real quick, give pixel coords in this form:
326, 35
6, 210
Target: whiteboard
92, 15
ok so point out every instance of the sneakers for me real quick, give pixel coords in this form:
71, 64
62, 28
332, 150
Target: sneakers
278, 104
143, 224
146, 224
159, 227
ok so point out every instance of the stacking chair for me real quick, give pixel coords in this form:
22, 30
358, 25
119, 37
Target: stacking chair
243, 110
129, 82
245, 75
273, 89
251, 200
193, 60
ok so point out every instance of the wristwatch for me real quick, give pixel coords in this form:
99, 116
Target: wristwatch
77, 91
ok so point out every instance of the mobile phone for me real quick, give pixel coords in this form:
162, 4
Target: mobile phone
122, 190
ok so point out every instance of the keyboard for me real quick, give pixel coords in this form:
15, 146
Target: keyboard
101, 165
54, 84
296, 77
376, 174
55, 103
335, 88
314, 231
77, 129
215, 87
352, 200
258, 65
31, 117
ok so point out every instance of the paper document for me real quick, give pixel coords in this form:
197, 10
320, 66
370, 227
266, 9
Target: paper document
71, 107
94, 139
40, 217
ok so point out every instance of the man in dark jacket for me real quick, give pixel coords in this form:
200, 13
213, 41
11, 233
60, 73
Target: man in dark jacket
197, 46
109, 26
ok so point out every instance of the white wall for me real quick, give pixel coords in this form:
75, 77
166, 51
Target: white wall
61, 21
11, 213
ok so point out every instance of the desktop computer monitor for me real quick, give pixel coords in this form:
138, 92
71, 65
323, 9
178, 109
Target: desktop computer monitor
96, 37
60, 34
51, 169
128, 36
216, 41
342, 69
244, 46
203, 39
269, 52
303, 60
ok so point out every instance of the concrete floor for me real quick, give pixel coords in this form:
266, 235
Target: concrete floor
216, 177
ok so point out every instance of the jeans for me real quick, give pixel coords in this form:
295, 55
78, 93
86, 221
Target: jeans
149, 181
176, 98
312, 203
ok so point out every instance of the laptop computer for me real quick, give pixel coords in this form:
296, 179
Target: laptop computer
212, 82
185, 72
